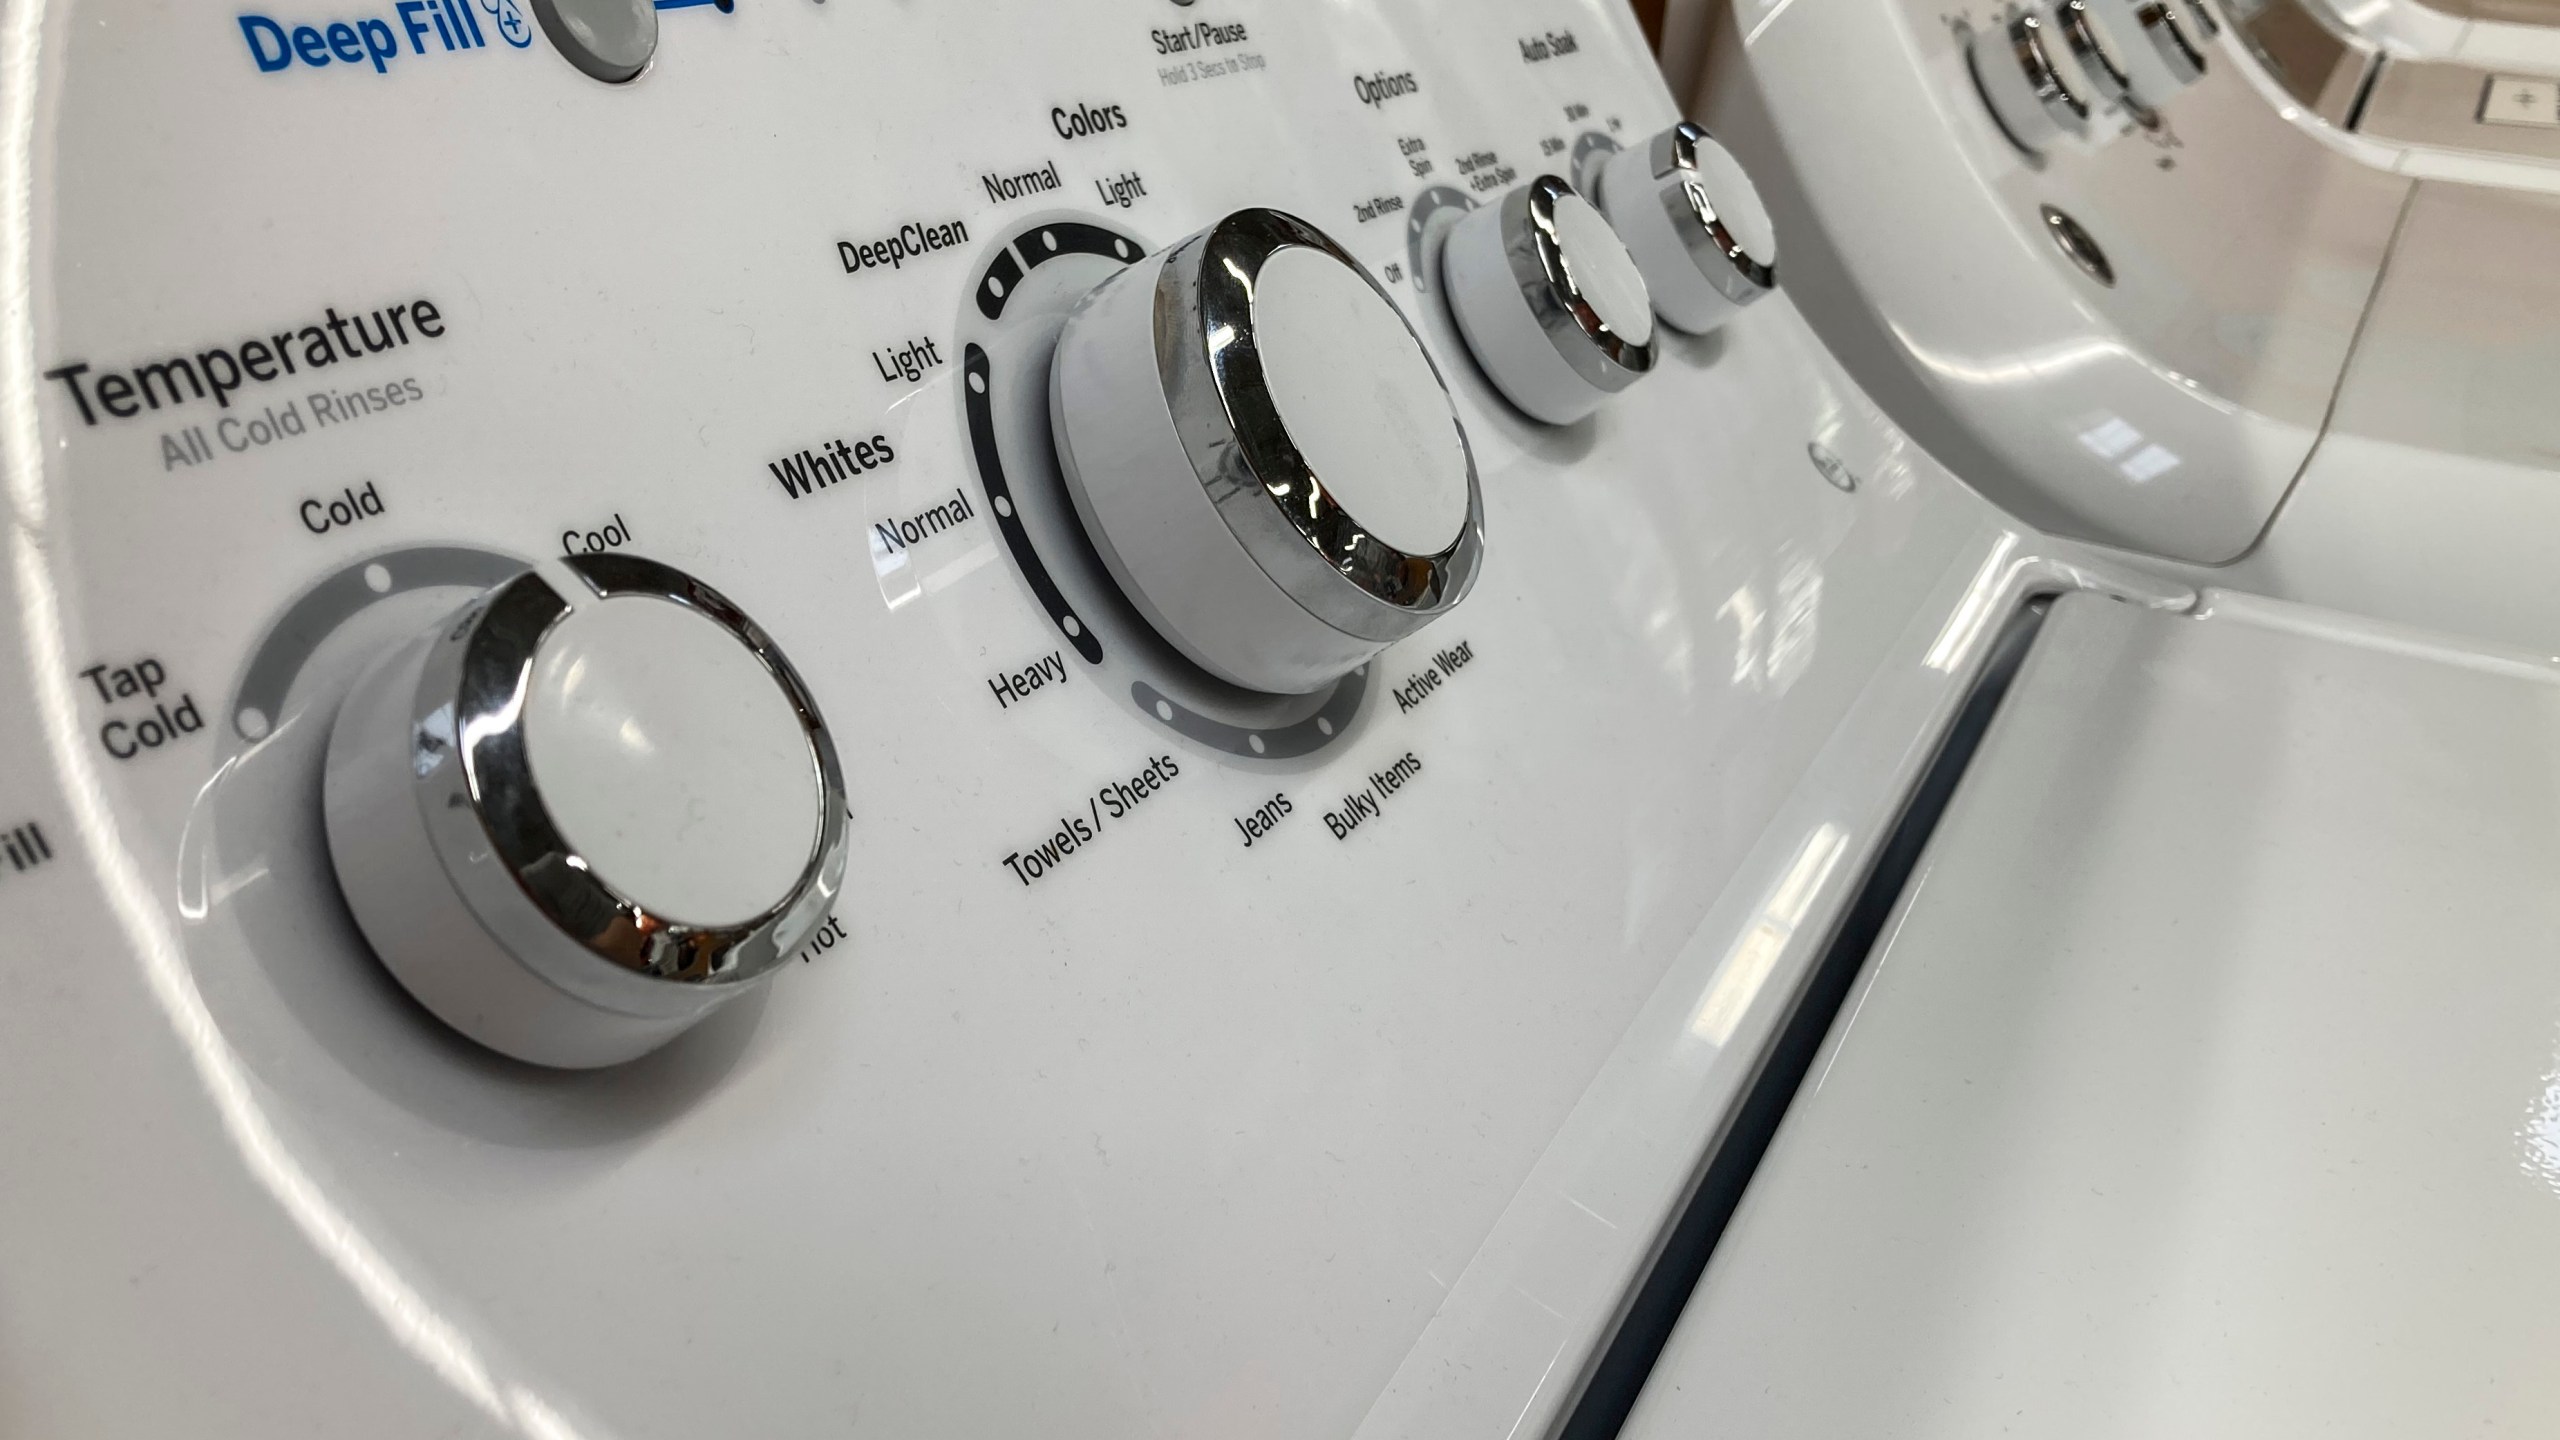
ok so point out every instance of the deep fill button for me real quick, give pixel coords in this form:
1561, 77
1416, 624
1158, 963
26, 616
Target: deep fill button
611, 40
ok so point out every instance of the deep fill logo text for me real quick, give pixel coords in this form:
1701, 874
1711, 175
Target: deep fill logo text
414, 27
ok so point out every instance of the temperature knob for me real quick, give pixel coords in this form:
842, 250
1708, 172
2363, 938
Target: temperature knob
584, 811
2023, 79
1695, 224
1263, 455
1553, 307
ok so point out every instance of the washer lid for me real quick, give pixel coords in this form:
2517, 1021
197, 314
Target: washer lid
2207, 1084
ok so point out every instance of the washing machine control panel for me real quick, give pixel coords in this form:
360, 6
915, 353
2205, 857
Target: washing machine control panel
875, 697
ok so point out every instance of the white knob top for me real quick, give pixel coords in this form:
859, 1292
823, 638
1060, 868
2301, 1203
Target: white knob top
670, 761
585, 811
1695, 224
1553, 307
1361, 399
1263, 454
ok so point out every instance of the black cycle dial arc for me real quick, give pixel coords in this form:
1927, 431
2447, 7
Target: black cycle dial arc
979, 387
1043, 244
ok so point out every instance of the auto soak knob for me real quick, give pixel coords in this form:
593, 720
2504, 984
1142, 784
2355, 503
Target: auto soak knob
584, 811
1263, 454
1553, 307
1694, 223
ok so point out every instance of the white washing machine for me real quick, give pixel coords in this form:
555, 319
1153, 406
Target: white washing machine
2205, 328
2411, 90
1165, 718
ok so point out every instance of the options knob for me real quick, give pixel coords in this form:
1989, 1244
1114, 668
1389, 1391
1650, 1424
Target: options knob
1694, 223
2141, 51
2023, 80
1263, 455
1552, 305
585, 810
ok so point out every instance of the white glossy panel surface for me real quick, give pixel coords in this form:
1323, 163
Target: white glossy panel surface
2206, 1083
1503, 1355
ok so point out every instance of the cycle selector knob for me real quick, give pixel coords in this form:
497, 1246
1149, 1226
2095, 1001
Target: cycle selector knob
585, 811
1552, 306
1263, 454
1694, 223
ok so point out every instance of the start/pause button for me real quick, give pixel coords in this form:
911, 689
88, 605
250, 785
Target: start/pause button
2521, 100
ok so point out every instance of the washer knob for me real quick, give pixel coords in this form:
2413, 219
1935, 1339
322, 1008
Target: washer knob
2095, 54
585, 810
1263, 455
1694, 222
1552, 305
2156, 47
2022, 78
